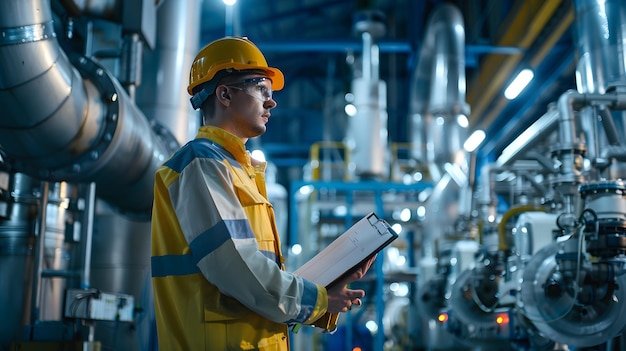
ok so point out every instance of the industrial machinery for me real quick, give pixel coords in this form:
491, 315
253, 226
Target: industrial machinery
549, 213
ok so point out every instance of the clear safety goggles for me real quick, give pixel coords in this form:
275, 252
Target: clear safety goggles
259, 88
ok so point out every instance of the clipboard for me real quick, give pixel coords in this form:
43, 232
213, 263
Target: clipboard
343, 255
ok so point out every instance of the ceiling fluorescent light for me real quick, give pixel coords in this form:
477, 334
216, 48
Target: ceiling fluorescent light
474, 140
519, 83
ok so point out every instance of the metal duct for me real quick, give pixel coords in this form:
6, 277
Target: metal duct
601, 38
437, 100
438, 90
163, 93
67, 123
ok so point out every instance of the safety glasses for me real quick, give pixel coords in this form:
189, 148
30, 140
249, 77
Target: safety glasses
259, 88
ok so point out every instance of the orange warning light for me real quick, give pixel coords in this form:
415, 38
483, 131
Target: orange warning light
502, 318
442, 317
357, 349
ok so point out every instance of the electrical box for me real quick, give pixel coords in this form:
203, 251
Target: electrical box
97, 305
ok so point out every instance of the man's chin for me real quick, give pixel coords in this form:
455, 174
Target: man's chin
260, 130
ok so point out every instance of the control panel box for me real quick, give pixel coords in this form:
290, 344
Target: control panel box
97, 305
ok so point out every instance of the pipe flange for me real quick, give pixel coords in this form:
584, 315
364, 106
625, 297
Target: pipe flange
109, 95
567, 148
617, 187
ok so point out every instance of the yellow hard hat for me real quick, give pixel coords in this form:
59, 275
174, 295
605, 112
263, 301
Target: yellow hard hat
230, 53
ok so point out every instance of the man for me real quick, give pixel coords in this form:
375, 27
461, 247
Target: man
218, 274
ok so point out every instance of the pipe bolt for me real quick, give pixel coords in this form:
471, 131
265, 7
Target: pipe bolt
94, 155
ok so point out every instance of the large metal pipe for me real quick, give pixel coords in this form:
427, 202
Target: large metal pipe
601, 68
600, 33
437, 100
163, 93
438, 90
69, 120
529, 138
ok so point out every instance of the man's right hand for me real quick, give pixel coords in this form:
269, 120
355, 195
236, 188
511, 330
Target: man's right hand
340, 298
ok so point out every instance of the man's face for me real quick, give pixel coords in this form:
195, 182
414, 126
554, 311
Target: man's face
250, 105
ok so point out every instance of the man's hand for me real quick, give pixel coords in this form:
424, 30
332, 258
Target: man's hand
340, 298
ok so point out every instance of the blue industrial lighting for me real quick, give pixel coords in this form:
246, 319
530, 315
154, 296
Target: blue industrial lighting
519, 83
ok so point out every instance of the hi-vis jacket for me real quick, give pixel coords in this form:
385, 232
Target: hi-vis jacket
217, 269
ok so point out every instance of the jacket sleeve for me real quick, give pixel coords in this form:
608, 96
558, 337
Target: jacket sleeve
226, 251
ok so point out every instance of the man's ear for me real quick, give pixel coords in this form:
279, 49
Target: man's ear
222, 94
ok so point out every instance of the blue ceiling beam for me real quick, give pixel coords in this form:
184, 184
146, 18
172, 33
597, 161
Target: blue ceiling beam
383, 45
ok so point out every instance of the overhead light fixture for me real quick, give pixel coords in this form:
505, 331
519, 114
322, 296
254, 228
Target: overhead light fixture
519, 83
474, 140
229, 17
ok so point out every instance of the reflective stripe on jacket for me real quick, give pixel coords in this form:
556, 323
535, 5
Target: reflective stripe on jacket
217, 269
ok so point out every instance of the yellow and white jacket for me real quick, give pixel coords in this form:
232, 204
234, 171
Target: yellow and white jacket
217, 271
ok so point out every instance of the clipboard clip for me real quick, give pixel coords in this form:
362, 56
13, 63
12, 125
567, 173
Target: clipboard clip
381, 226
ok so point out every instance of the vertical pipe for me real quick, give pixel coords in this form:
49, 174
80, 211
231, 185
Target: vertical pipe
437, 89
87, 235
163, 94
366, 67
601, 47
39, 252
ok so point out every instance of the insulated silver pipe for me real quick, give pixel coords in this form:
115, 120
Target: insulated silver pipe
601, 31
162, 95
437, 99
69, 120
528, 139
438, 90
